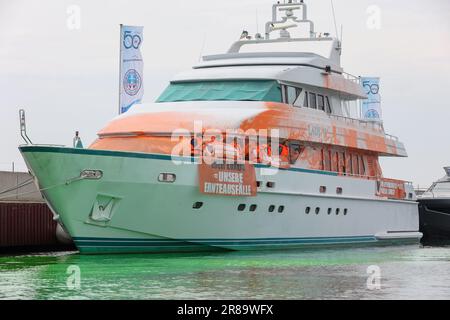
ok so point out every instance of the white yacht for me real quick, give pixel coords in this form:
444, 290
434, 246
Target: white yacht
309, 173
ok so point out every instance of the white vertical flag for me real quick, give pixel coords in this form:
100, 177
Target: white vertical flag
131, 67
371, 107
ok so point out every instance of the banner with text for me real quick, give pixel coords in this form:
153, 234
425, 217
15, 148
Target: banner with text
371, 108
238, 180
131, 67
391, 188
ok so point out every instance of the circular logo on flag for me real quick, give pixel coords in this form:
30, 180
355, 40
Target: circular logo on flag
132, 82
372, 114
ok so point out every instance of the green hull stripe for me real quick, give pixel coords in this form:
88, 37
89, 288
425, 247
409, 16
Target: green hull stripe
99, 245
26, 149
221, 240
227, 243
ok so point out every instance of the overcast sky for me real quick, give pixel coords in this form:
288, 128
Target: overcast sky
67, 79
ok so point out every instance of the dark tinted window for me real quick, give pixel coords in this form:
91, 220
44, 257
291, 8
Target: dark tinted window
321, 102
328, 105
312, 100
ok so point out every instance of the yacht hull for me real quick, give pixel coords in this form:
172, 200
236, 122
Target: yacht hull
127, 210
435, 219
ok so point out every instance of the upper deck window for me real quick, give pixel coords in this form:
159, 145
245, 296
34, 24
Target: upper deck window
321, 102
312, 100
328, 105
292, 95
250, 90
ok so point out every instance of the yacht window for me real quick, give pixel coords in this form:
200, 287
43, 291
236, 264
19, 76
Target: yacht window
362, 166
441, 187
328, 105
355, 165
334, 161
321, 102
342, 163
238, 90
306, 104
291, 95
326, 160
349, 164
299, 102
312, 100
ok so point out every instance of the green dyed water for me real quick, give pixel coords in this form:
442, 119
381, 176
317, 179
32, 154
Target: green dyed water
407, 272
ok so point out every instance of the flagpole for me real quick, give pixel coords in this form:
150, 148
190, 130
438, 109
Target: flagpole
120, 67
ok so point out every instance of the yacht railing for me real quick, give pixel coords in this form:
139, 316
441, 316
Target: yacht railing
391, 137
351, 77
367, 124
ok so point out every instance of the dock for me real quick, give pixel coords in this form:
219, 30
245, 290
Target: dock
26, 222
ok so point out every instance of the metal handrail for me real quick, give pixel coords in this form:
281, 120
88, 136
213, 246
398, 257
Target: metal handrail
373, 124
359, 121
351, 77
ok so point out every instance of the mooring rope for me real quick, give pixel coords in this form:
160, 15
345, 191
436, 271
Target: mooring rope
67, 182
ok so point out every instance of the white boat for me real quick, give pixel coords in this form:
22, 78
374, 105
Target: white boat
128, 192
434, 209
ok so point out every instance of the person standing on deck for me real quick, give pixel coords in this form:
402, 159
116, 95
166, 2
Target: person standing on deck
77, 141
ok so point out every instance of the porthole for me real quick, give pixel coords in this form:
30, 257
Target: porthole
338, 211
339, 190
197, 205
317, 210
329, 211
272, 208
270, 184
253, 207
323, 189
307, 210
167, 177
258, 184
241, 207
345, 211
281, 209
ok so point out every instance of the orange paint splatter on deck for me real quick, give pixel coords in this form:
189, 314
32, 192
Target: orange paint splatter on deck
351, 138
159, 145
158, 122
376, 143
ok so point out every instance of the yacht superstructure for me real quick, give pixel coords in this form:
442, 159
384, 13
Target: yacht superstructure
131, 192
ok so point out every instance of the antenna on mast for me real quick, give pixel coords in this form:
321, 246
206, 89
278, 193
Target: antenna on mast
203, 48
257, 21
334, 18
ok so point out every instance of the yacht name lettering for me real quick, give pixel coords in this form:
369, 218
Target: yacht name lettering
318, 132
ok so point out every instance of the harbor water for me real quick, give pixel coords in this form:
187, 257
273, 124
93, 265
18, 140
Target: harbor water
401, 272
